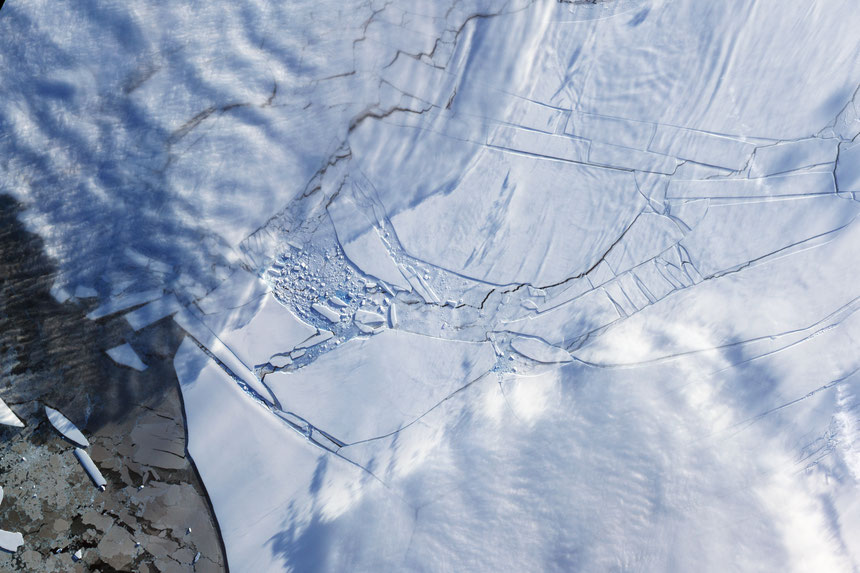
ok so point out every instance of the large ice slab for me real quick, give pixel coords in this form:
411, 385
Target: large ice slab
760, 301
792, 155
775, 186
734, 234
372, 387
153, 312
568, 322
848, 168
203, 335
276, 496
272, 329
10, 541
511, 218
361, 242
124, 302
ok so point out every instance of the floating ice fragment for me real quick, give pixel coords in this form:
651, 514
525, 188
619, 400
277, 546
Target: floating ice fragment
66, 427
153, 312
125, 355
8, 417
123, 302
328, 313
540, 351
60, 294
361, 242
318, 338
91, 469
280, 361
85, 292
372, 386
337, 301
147, 262
848, 168
10, 541
792, 155
200, 332
369, 318
392, 316
78, 555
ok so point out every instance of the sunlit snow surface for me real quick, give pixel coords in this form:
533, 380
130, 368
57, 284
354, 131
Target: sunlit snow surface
474, 285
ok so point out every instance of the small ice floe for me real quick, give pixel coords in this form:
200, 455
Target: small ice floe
280, 361
91, 469
540, 351
196, 559
330, 314
66, 427
78, 555
125, 355
538, 292
153, 312
85, 292
8, 417
317, 338
369, 318
60, 294
10, 541
392, 316
147, 262
337, 301
124, 302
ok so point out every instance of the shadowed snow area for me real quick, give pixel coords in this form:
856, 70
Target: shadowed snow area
473, 285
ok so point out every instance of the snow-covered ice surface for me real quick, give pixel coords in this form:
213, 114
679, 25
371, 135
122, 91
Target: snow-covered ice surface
477, 285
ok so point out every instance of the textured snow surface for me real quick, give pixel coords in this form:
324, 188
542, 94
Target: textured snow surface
478, 285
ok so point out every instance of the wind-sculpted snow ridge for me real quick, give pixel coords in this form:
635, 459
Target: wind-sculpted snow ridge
471, 285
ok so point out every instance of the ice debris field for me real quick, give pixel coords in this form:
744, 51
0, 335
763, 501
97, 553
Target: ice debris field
471, 285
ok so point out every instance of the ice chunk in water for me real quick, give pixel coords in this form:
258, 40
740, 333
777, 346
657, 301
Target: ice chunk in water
66, 427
